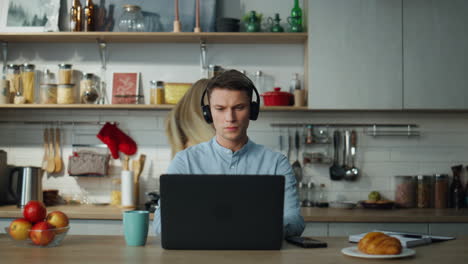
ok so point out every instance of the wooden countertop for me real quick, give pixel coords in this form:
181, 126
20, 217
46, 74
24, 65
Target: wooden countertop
112, 249
310, 214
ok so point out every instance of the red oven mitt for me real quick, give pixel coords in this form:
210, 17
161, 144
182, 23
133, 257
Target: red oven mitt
117, 140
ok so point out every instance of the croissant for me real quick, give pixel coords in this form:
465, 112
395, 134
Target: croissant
377, 243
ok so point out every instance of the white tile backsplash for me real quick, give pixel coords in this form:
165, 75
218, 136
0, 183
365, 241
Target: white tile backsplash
379, 159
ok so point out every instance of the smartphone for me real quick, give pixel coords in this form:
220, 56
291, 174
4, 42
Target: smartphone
306, 242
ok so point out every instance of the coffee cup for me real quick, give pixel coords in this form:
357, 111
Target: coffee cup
135, 225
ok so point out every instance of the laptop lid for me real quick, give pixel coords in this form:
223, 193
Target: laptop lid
221, 211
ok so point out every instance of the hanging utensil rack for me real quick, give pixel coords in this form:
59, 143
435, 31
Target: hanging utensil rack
370, 129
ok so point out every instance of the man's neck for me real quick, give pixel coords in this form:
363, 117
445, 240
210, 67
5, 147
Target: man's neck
232, 145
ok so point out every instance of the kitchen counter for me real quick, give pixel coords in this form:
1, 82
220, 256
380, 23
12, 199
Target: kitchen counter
310, 214
109, 249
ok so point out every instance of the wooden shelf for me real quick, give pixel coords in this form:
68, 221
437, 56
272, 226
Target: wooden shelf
157, 37
128, 107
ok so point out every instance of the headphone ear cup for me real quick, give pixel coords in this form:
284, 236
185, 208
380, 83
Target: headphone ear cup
254, 110
207, 114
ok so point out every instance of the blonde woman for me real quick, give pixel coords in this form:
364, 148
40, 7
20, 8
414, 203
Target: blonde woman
185, 125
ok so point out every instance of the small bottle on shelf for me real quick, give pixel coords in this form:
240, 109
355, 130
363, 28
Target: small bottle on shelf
76, 16
322, 200
89, 16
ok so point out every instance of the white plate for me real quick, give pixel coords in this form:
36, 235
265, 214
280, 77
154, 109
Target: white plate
354, 252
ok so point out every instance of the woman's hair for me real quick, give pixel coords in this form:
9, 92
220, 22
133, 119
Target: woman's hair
185, 125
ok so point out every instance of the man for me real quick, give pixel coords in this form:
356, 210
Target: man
230, 151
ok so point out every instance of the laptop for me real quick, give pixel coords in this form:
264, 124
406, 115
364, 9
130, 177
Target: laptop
222, 212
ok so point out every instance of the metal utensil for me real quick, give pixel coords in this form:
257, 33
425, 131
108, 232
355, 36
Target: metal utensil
297, 165
336, 171
354, 171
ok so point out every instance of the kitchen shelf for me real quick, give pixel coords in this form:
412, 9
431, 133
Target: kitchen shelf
157, 37
128, 107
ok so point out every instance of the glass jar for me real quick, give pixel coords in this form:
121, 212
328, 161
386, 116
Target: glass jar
116, 193
65, 94
441, 191
310, 194
13, 75
405, 191
156, 92
322, 200
65, 73
260, 84
48, 93
132, 19
425, 191
27, 82
89, 94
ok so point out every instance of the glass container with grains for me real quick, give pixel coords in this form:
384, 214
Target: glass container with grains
405, 191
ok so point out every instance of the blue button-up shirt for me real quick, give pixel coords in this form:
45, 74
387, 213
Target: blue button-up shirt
211, 158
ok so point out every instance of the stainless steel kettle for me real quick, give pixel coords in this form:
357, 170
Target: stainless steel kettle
28, 185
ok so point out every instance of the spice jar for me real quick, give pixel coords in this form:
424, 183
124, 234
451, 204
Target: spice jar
425, 191
13, 75
405, 191
116, 193
156, 92
27, 82
65, 94
88, 92
65, 74
441, 191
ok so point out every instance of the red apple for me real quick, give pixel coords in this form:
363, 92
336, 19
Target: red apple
58, 220
41, 234
19, 229
34, 211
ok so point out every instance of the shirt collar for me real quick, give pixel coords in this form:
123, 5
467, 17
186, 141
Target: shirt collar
225, 151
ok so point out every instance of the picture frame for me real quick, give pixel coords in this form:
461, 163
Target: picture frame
39, 16
125, 88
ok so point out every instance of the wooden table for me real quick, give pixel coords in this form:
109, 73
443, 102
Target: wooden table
111, 249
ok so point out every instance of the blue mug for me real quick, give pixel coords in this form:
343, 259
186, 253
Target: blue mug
136, 227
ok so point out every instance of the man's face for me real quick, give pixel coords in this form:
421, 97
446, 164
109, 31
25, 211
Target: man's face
230, 111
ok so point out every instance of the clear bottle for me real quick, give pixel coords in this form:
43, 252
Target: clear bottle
260, 83
322, 199
132, 19
295, 88
311, 194
27, 82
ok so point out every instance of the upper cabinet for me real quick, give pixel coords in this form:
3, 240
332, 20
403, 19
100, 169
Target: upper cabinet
435, 45
355, 54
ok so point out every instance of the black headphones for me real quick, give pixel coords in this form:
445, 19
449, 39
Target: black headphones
254, 106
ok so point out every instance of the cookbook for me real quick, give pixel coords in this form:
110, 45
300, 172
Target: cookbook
407, 239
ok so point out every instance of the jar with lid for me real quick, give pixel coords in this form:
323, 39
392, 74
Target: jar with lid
89, 94
441, 193
65, 73
457, 195
425, 191
405, 191
260, 84
27, 82
48, 88
13, 75
156, 92
65, 94
4, 91
116, 192
132, 19
322, 200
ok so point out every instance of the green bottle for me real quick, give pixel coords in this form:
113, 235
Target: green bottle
296, 18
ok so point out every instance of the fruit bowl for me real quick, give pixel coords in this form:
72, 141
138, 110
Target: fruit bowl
49, 237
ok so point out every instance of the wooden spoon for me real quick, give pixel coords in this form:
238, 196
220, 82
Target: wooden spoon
50, 160
58, 156
46, 150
